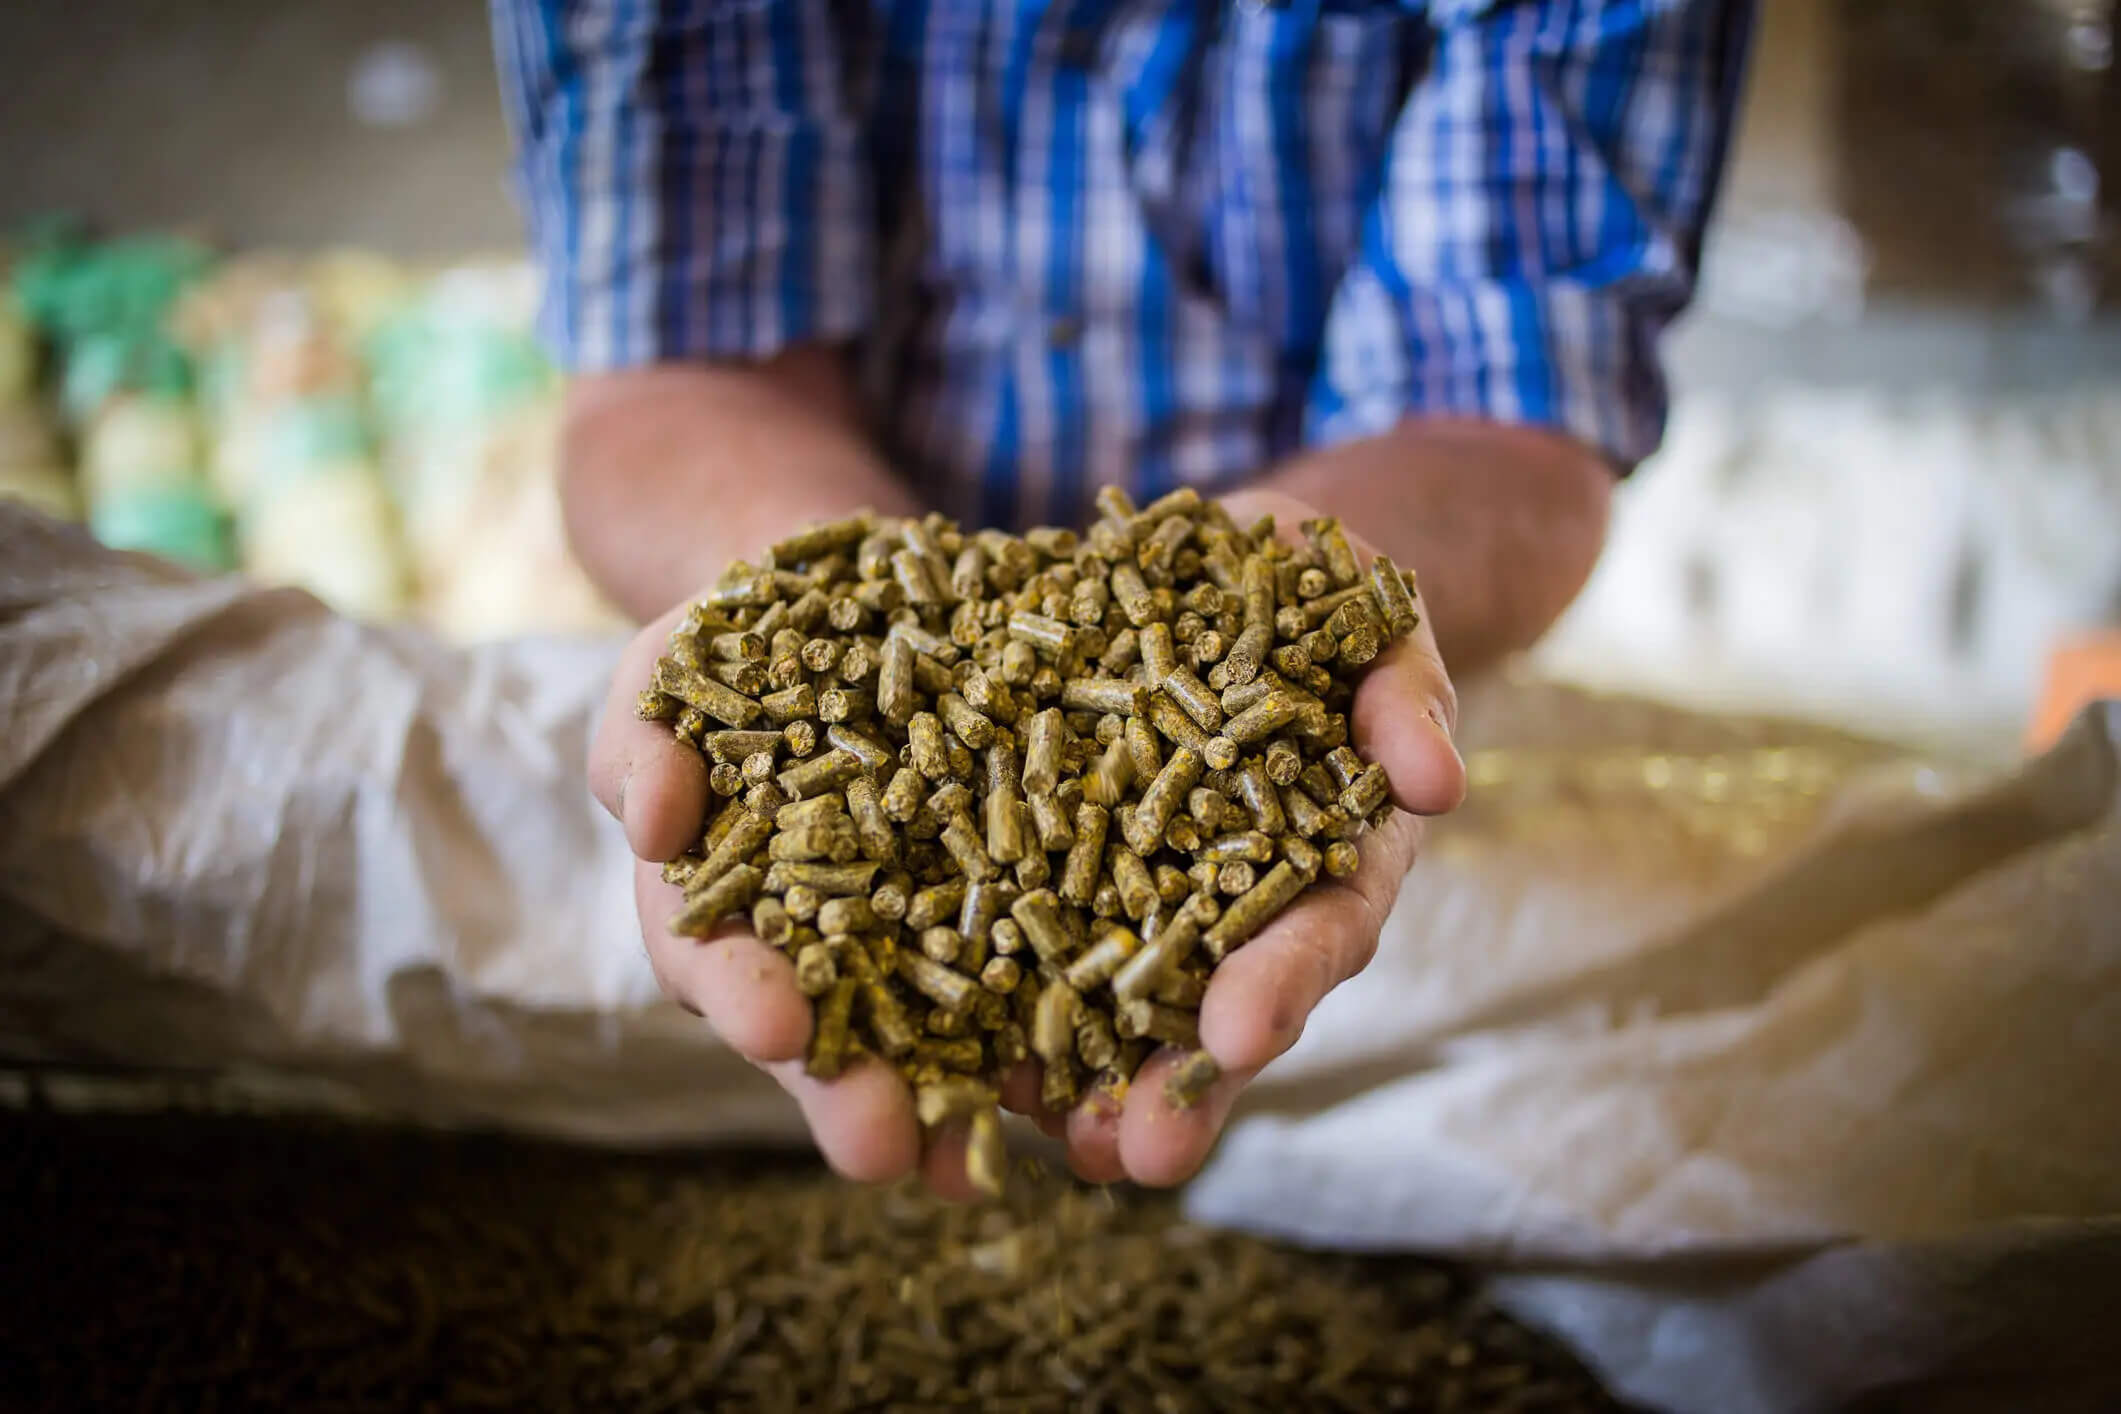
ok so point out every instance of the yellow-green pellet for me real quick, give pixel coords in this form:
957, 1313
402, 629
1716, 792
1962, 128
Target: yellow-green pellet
1006, 842
746, 678
1100, 960
790, 703
1095, 1044
925, 751
1192, 695
1085, 863
955, 1097
969, 851
1132, 594
985, 902
817, 810
944, 985
1137, 888
717, 700
1001, 975
1107, 781
1161, 800
835, 843
942, 943
1049, 816
1269, 714
746, 834
902, 798
966, 722
1248, 914
895, 691
888, 1020
849, 914
1257, 846
986, 1153
733, 892
1157, 1022
1366, 792
1144, 745
1043, 741
820, 773
828, 1044
872, 827
1188, 1082
1053, 1023
1330, 544
770, 921
1103, 695
828, 879
876, 758
1050, 636
815, 973
1139, 976
1037, 913
935, 903
1182, 990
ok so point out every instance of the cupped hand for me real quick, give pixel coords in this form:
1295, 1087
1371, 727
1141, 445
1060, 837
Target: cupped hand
1257, 1001
656, 785
1260, 996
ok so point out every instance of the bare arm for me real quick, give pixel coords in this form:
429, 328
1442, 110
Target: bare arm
1502, 524
671, 471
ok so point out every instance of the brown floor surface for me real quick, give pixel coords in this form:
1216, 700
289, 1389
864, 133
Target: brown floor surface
191, 1262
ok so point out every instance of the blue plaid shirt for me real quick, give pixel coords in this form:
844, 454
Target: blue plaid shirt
1134, 241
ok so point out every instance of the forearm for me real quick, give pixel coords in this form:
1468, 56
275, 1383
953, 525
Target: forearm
1501, 524
667, 473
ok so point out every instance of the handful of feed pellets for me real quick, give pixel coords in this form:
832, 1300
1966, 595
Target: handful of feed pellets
1004, 796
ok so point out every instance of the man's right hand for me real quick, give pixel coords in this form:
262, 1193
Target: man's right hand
656, 785
669, 473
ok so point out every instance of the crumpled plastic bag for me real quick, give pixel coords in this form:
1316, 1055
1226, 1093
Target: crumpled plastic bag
1772, 1068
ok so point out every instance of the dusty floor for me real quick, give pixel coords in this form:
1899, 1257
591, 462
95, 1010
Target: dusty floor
193, 1263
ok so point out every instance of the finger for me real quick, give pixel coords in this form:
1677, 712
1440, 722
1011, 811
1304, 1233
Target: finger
1020, 1089
1093, 1140
1021, 1095
1404, 714
1260, 996
1160, 1145
862, 1119
652, 783
943, 1164
744, 989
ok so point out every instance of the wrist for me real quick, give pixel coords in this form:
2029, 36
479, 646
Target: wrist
670, 472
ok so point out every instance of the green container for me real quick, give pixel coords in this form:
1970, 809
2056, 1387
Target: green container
176, 523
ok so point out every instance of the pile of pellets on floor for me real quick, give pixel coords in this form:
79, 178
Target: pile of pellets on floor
186, 1262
